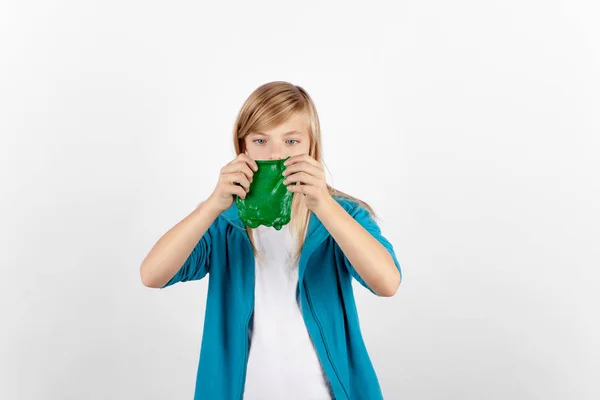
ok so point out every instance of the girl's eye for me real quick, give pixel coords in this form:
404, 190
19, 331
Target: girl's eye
292, 140
259, 141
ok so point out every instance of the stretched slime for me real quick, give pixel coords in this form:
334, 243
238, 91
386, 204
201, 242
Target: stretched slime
268, 202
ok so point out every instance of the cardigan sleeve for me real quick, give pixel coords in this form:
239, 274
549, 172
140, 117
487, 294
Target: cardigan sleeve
197, 265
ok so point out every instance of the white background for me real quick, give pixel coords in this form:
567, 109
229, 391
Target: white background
470, 126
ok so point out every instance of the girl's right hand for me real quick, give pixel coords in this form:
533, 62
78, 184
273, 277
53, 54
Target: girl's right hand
234, 179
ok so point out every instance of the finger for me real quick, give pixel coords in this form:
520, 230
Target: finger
239, 166
236, 190
301, 157
302, 177
304, 189
304, 166
246, 158
237, 177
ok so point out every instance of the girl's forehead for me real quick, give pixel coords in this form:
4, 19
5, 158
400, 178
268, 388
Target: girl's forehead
298, 121
287, 128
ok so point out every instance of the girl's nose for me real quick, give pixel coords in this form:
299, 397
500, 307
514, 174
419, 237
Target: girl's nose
276, 153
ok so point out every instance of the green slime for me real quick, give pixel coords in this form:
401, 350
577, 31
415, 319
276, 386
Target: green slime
268, 202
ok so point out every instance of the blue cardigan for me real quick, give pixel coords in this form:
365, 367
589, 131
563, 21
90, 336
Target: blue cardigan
325, 296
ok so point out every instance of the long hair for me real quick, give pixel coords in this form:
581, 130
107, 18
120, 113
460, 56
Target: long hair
270, 105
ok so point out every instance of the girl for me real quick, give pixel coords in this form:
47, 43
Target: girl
281, 321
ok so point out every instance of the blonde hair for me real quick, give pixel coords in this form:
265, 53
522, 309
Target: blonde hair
270, 105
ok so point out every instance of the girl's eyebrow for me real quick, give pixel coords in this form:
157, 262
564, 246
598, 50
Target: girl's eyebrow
285, 134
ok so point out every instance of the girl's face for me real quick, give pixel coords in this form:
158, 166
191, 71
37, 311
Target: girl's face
288, 139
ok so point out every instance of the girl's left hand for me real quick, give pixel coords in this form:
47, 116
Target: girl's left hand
309, 176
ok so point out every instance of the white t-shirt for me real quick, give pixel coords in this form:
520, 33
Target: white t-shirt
282, 362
